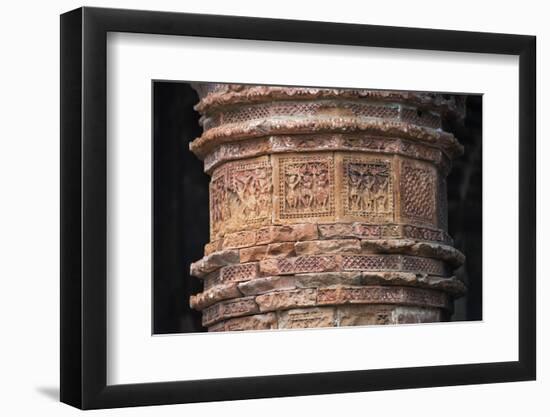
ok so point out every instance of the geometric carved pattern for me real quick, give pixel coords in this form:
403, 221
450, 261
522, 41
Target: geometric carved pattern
418, 191
306, 187
240, 194
306, 264
393, 263
231, 308
368, 188
426, 265
370, 262
240, 272
297, 109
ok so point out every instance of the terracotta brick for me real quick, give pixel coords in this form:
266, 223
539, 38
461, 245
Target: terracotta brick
286, 299
214, 261
239, 272
267, 284
328, 279
213, 295
335, 230
283, 249
316, 247
212, 247
239, 240
254, 253
365, 315
228, 309
286, 233
256, 322
304, 318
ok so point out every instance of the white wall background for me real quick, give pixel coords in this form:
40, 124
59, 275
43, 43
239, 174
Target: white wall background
29, 213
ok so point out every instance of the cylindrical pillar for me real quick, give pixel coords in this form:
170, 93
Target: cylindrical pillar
328, 207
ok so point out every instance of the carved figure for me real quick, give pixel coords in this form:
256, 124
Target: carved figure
368, 188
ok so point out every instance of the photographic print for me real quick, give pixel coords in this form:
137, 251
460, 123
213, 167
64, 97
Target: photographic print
296, 207
286, 189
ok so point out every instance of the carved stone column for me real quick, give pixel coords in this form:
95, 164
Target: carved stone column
328, 207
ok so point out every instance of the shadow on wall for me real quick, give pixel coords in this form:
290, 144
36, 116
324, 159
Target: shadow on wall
465, 208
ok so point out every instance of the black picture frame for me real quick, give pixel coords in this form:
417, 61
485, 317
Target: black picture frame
84, 193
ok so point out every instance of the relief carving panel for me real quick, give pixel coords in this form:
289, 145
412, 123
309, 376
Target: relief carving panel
305, 187
418, 192
367, 189
240, 196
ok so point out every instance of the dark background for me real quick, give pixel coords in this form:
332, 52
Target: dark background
180, 207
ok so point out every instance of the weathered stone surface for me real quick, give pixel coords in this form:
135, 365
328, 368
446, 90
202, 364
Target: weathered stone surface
412, 315
239, 240
286, 233
386, 246
256, 322
213, 295
304, 318
391, 278
211, 279
370, 231
254, 253
382, 295
332, 141
335, 230
327, 207
413, 247
218, 95
451, 285
263, 285
214, 261
316, 247
328, 279
283, 249
228, 309
368, 315
282, 300
425, 233
433, 250
218, 327
224, 134
364, 315
212, 247
233, 151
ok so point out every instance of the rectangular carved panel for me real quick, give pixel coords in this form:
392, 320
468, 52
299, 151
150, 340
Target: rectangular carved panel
367, 188
418, 192
240, 196
305, 188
